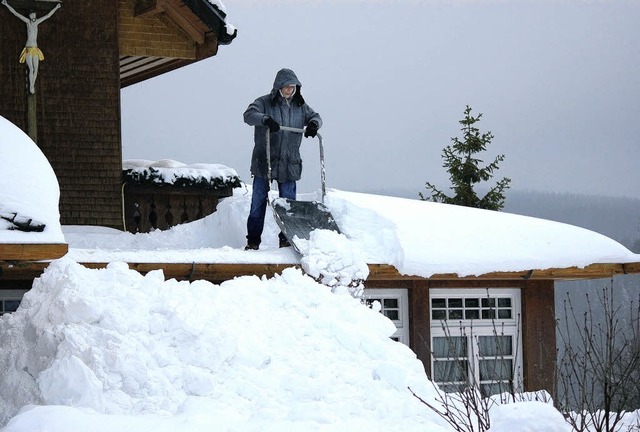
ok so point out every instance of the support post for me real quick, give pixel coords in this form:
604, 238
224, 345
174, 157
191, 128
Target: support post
32, 117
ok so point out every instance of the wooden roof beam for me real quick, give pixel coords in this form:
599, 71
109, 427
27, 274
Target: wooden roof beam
176, 14
32, 252
147, 10
592, 271
378, 272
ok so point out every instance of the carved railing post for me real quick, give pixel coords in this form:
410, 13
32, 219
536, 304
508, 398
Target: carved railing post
148, 207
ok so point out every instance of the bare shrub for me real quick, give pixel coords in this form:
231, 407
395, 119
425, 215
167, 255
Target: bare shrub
599, 372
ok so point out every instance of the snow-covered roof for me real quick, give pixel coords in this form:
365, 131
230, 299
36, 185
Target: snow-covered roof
171, 172
434, 238
416, 237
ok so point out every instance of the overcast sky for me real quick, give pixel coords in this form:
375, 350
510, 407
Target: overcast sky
558, 83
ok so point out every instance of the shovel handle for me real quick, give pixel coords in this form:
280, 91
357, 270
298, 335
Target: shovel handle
298, 130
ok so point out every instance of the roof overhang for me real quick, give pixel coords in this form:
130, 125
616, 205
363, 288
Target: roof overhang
158, 36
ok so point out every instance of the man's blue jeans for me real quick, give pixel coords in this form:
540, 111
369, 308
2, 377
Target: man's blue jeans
255, 221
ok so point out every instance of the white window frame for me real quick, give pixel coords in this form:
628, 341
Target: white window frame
402, 296
473, 329
10, 295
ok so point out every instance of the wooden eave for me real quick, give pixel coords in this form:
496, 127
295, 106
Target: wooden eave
198, 22
32, 252
135, 69
377, 272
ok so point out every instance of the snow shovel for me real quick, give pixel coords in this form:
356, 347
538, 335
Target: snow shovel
299, 218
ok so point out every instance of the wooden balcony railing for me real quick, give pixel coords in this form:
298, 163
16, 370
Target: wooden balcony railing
150, 207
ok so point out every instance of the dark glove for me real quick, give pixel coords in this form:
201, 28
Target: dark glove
311, 130
272, 124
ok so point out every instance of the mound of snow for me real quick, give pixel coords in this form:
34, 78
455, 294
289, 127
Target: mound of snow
283, 354
30, 188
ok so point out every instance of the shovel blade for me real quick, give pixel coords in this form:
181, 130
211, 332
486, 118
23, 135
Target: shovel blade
299, 218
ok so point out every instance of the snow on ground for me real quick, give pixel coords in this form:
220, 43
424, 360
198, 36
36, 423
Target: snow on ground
277, 354
111, 349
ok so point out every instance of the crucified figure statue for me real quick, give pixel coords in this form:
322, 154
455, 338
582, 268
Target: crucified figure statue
31, 54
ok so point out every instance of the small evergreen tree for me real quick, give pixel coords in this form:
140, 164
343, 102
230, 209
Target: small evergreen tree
464, 170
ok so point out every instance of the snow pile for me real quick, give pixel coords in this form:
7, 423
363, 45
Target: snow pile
28, 188
530, 416
334, 260
283, 353
111, 349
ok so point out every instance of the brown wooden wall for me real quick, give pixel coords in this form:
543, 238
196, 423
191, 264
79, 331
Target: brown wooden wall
78, 104
538, 323
539, 336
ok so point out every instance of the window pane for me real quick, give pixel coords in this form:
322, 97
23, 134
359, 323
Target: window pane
439, 303
449, 347
488, 302
391, 303
494, 346
504, 302
471, 303
455, 314
392, 314
496, 370
488, 314
455, 302
450, 371
438, 315
504, 313
472, 314
494, 388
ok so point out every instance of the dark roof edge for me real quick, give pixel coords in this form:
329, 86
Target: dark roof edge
213, 18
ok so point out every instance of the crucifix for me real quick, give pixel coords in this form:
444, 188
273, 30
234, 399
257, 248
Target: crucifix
31, 54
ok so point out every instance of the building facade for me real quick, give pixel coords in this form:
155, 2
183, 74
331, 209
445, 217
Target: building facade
91, 50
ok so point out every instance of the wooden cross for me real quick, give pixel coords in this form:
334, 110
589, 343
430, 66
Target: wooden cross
38, 6
27, 11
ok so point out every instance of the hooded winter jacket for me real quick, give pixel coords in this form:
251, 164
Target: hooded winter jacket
286, 164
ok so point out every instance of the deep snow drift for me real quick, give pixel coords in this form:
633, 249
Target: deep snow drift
284, 353
110, 349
